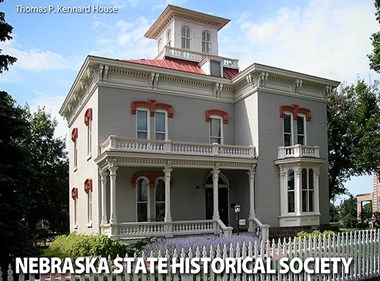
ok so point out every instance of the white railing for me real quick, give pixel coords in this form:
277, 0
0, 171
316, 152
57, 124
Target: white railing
363, 247
115, 143
297, 150
194, 56
258, 228
192, 227
169, 229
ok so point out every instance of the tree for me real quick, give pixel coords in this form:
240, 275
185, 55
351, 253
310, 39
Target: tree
5, 34
353, 134
49, 172
348, 213
374, 58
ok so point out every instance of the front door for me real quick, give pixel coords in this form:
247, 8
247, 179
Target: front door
223, 204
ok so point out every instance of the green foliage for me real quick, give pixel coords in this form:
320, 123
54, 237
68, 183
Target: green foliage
314, 234
374, 57
5, 34
80, 245
376, 219
353, 134
136, 248
334, 213
348, 212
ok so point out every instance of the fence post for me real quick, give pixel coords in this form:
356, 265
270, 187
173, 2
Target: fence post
265, 232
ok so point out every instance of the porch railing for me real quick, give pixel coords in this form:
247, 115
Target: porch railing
168, 229
298, 150
116, 143
258, 228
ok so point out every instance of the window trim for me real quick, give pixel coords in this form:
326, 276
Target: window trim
166, 123
307, 190
147, 121
207, 43
186, 38
155, 199
148, 217
220, 118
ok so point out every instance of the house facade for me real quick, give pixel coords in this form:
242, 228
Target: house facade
373, 197
168, 146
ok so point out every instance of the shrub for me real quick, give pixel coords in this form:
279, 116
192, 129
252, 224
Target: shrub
315, 233
79, 245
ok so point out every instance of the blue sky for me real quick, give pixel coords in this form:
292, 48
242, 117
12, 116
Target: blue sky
328, 38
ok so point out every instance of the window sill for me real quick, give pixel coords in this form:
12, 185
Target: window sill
75, 168
76, 226
89, 225
89, 156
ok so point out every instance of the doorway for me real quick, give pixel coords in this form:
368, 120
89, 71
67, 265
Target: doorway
223, 198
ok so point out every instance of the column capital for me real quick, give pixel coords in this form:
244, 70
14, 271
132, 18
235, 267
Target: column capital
252, 171
113, 170
215, 170
167, 170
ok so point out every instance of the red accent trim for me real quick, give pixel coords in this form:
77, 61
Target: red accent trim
88, 185
152, 105
295, 109
88, 116
74, 193
151, 176
222, 113
74, 134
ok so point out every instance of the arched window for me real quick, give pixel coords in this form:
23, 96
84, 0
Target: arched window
169, 38
160, 199
185, 37
291, 195
142, 199
206, 42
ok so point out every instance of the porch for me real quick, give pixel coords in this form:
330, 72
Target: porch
123, 159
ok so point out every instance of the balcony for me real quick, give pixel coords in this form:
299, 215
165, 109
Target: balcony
194, 56
297, 151
116, 143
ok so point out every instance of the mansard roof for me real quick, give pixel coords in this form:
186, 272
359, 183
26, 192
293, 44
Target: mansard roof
182, 65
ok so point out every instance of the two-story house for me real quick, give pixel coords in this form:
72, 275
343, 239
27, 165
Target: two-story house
168, 146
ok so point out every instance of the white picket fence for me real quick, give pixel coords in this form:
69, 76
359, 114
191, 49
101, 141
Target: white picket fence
362, 246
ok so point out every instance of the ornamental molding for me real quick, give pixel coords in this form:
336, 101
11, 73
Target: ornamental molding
88, 185
219, 112
295, 109
152, 105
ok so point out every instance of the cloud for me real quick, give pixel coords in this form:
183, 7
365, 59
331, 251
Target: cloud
326, 38
36, 60
124, 40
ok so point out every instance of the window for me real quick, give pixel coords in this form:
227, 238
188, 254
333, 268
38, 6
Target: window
307, 190
89, 138
294, 124
88, 190
206, 42
216, 129
74, 195
142, 124
88, 122
300, 129
74, 137
160, 199
160, 125
185, 37
287, 129
291, 194
159, 44
142, 199
169, 38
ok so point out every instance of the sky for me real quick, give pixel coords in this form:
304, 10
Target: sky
327, 38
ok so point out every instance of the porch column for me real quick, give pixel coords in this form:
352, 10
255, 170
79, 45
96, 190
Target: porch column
251, 177
215, 179
113, 170
103, 184
297, 190
316, 191
167, 171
